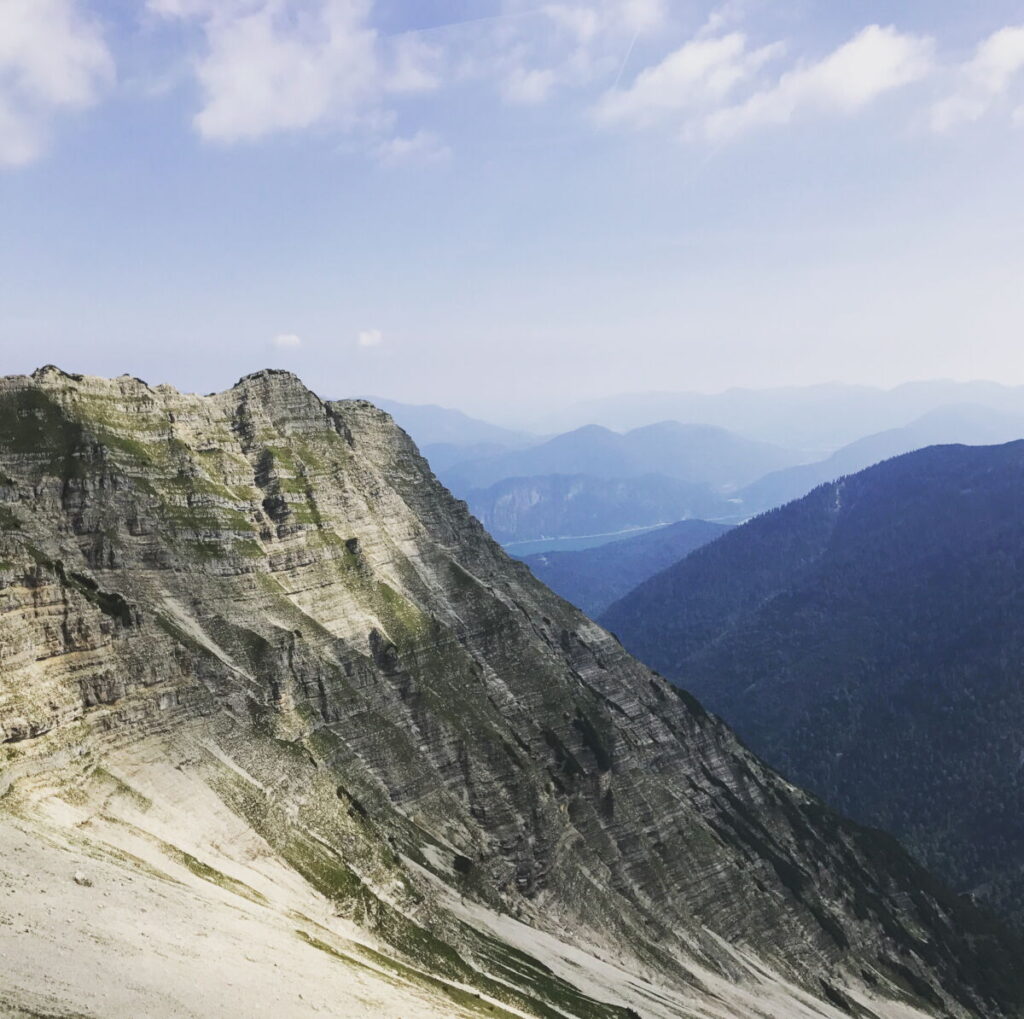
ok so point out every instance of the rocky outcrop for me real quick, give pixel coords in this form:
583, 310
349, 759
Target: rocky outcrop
272, 595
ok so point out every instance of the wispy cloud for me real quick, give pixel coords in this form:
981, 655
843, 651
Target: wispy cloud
370, 338
414, 65
875, 61
529, 86
700, 74
419, 148
53, 59
535, 51
286, 341
713, 86
268, 67
273, 66
984, 80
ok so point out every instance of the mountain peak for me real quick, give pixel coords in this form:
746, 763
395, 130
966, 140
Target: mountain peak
250, 640
50, 372
270, 377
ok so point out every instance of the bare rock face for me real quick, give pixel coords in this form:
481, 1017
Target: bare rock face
249, 642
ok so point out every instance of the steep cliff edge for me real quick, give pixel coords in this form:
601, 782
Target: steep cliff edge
253, 650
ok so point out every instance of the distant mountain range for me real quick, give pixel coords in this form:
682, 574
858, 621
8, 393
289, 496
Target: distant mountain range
563, 505
430, 425
697, 454
868, 641
593, 578
595, 481
812, 418
970, 424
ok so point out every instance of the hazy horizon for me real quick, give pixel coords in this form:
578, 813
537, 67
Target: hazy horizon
497, 205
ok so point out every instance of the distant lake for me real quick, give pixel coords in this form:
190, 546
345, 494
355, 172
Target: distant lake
525, 548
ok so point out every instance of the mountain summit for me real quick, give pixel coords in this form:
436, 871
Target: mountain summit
276, 709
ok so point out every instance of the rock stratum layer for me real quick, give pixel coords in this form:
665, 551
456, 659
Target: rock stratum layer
311, 743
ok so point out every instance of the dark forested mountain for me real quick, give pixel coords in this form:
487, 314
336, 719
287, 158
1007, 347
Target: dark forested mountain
868, 640
270, 695
559, 505
593, 578
970, 424
697, 454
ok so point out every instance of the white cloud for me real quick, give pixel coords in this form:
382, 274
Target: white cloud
286, 341
712, 86
723, 17
875, 61
529, 86
594, 20
370, 338
983, 80
998, 59
642, 16
421, 147
272, 66
52, 59
279, 65
700, 73
956, 110
416, 66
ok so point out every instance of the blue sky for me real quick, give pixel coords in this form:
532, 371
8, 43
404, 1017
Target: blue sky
503, 205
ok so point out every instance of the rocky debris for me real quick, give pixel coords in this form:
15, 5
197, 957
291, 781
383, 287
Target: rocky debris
83, 879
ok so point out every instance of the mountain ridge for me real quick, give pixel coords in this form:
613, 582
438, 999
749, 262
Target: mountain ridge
239, 635
698, 454
818, 417
964, 424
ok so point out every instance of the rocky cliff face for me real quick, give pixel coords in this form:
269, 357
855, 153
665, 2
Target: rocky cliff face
253, 653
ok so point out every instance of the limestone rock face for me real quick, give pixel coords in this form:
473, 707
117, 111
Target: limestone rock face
248, 641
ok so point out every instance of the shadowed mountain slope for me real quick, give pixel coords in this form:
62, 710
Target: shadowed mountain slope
867, 640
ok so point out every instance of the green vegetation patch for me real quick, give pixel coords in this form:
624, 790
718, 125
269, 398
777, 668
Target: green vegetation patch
33, 423
212, 875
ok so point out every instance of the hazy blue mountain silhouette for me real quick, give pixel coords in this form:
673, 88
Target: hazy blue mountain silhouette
560, 505
969, 424
814, 418
698, 454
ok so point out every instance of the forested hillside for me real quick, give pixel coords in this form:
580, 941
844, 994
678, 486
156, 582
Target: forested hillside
868, 641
